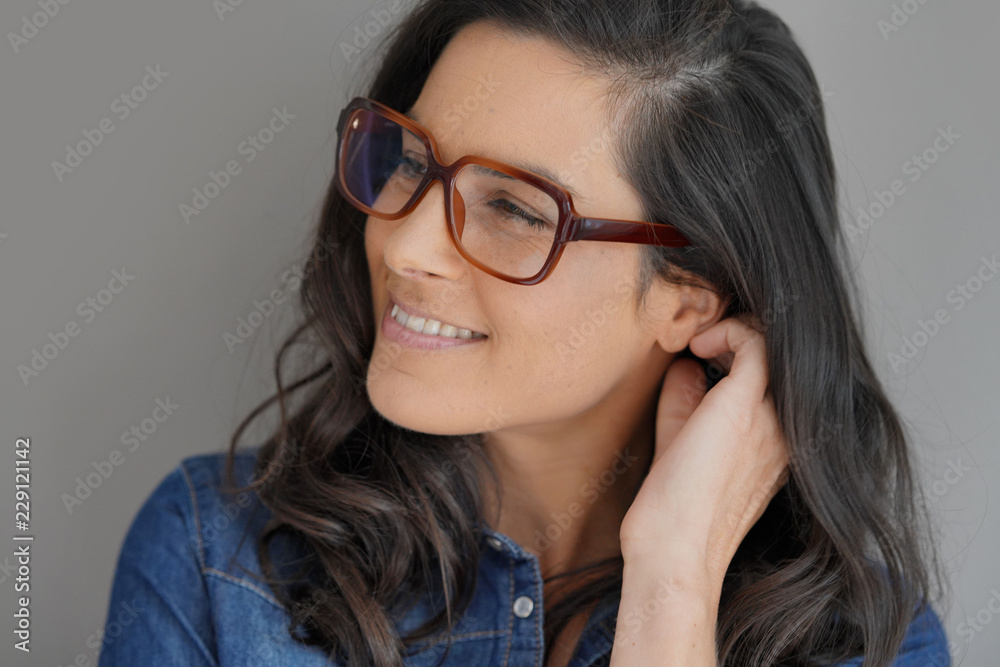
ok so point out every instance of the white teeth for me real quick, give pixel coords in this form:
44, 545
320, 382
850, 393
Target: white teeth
399, 315
415, 324
430, 327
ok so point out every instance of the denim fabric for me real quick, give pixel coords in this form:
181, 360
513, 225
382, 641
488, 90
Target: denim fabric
186, 574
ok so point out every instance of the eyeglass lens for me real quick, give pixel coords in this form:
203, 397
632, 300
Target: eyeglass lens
503, 222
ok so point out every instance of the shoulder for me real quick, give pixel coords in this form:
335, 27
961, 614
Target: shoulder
193, 505
189, 583
925, 643
219, 515
925, 640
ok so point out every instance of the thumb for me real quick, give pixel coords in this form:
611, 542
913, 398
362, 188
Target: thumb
683, 388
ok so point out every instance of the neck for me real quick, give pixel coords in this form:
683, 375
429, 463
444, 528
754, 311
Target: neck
566, 486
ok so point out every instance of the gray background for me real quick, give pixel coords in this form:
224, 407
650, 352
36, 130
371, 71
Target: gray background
162, 336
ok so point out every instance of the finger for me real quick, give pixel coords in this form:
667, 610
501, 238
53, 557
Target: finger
749, 365
683, 388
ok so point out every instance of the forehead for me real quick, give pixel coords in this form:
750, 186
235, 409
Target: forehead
520, 100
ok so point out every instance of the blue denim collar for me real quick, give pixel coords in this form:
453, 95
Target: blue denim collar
604, 617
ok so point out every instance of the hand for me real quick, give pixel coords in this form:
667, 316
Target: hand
719, 458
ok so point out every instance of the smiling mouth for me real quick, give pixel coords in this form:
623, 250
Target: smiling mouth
431, 327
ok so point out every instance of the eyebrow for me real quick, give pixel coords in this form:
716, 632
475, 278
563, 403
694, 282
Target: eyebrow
526, 166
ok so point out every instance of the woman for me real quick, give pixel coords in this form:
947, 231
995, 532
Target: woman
594, 391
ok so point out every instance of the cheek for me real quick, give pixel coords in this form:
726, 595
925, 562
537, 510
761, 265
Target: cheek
373, 246
584, 335
375, 236
556, 365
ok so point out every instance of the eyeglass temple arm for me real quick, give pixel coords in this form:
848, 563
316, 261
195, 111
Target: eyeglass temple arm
651, 233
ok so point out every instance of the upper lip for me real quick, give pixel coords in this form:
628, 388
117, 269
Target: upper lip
417, 312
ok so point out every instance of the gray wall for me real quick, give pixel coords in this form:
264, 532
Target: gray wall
161, 336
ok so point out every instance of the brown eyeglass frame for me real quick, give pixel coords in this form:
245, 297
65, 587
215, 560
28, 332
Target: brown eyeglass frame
571, 226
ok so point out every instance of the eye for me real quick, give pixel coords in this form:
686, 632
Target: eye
516, 211
411, 165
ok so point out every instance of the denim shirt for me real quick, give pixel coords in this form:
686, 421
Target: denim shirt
190, 603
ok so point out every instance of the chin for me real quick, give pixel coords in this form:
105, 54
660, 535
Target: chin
412, 410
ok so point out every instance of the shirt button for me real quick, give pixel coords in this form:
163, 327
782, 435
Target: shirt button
495, 543
523, 606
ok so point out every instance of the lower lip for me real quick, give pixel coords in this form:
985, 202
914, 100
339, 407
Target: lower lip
395, 331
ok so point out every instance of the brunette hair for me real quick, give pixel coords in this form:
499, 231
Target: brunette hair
721, 131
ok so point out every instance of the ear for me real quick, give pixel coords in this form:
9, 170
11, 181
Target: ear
677, 313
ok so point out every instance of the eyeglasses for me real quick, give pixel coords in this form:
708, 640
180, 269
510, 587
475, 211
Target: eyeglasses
506, 221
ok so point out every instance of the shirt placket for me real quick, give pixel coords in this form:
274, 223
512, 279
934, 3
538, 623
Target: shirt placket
524, 605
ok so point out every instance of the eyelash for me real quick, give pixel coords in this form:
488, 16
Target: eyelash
514, 210
408, 163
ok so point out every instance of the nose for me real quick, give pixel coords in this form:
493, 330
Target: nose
419, 244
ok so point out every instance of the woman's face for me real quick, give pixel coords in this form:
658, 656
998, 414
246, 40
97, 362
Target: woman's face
552, 351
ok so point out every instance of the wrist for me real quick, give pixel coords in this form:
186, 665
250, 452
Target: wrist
686, 556
667, 615
672, 576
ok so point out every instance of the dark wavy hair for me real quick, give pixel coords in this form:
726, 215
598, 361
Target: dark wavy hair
721, 131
